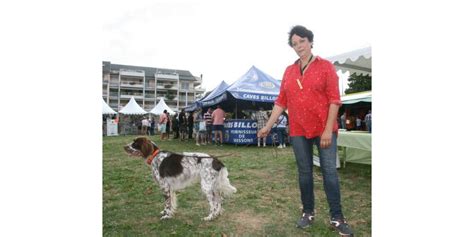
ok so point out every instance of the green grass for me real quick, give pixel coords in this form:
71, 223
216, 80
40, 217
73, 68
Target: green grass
267, 202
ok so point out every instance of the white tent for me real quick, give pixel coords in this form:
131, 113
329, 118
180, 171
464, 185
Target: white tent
132, 108
358, 61
160, 107
106, 108
353, 98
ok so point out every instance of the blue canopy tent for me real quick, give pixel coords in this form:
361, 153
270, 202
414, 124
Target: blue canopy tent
252, 90
216, 96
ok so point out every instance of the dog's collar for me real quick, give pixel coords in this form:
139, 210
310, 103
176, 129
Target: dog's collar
150, 158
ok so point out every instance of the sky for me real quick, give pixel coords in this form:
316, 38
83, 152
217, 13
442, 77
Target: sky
222, 39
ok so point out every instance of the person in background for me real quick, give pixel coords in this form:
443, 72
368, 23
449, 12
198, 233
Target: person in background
190, 125
152, 126
262, 118
208, 119
199, 129
169, 123
175, 126
163, 120
310, 91
144, 126
358, 123
182, 125
218, 117
281, 130
343, 120
368, 121
350, 123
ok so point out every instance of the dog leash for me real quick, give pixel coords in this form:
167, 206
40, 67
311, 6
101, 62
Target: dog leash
196, 156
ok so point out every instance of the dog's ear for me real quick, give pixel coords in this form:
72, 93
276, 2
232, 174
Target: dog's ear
146, 148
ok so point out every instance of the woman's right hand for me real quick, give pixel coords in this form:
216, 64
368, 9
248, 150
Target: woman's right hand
263, 132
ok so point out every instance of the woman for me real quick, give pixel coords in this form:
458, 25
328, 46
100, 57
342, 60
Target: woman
163, 120
310, 92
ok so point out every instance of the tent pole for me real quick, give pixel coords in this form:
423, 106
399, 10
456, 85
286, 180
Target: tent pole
235, 109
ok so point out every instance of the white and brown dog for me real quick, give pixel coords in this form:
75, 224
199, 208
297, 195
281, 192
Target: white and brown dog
176, 171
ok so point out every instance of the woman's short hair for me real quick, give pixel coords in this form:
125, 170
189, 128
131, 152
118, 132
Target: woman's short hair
300, 31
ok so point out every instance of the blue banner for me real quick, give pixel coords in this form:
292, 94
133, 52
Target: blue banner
255, 97
242, 131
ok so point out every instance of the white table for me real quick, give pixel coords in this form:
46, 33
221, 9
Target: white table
357, 146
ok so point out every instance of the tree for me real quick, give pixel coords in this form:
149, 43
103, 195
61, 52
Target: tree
358, 83
170, 95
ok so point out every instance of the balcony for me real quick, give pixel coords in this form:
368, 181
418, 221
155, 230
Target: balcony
135, 85
149, 88
114, 84
160, 76
199, 90
198, 81
129, 96
132, 73
167, 87
150, 97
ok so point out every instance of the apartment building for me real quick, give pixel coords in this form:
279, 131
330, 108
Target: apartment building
179, 88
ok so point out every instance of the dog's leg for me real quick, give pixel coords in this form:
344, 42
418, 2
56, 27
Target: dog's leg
169, 207
212, 205
208, 187
218, 202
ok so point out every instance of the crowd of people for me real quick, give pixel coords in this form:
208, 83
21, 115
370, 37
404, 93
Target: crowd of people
359, 121
204, 128
208, 127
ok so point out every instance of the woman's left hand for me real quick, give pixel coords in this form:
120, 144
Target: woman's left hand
326, 139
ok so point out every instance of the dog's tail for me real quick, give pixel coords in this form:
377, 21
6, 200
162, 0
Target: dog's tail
223, 183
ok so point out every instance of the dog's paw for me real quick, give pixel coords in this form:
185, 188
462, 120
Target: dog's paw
208, 218
165, 217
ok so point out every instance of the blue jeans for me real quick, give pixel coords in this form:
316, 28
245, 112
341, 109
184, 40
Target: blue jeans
281, 138
303, 149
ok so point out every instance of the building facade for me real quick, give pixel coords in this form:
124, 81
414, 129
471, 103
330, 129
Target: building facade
178, 88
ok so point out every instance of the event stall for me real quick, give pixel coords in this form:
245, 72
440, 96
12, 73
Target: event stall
216, 96
129, 124
358, 61
160, 107
356, 145
110, 128
252, 90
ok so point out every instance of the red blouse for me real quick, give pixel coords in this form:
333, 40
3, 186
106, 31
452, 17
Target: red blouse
308, 107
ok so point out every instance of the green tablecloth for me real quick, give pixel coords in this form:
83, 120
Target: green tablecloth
357, 145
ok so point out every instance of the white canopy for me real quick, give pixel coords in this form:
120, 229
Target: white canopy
353, 98
106, 108
358, 61
132, 108
160, 107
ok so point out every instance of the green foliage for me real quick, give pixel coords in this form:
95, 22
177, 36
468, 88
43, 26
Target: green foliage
170, 95
267, 202
358, 83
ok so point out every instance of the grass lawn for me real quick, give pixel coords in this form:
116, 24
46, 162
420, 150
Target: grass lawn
267, 202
